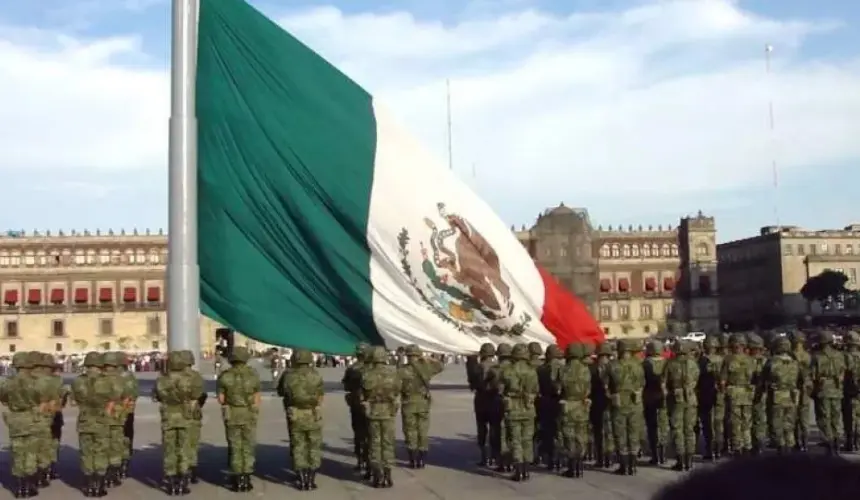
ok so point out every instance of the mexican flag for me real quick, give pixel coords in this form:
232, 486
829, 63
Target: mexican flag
323, 223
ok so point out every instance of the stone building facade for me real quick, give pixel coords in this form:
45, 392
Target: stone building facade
637, 281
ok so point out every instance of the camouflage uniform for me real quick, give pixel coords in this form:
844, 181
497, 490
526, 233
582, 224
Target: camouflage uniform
549, 407
498, 436
712, 407
781, 376
96, 397
654, 399
352, 387
802, 422
414, 379
601, 415
518, 386
379, 390
852, 390
538, 447
681, 379
49, 388
573, 387
302, 389
759, 408
20, 396
117, 448
737, 375
827, 372
238, 390
626, 381
58, 421
483, 401
131, 389
196, 422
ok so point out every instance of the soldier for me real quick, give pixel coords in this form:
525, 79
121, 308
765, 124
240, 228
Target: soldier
601, 414
681, 378
589, 447
20, 396
799, 352
518, 386
759, 408
352, 387
573, 386
415, 378
131, 389
483, 401
737, 379
303, 390
827, 373
654, 400
58, 421
549, 407
852, 390
238, 389
780, 378
95, 396
626, 381
196, 423
712, 408
535, 353
379, 390
51, 391
498, 436
118, 449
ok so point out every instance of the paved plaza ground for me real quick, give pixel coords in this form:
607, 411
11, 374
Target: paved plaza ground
450, 473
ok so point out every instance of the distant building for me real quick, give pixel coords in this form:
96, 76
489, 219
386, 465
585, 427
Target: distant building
637, 281
762, 275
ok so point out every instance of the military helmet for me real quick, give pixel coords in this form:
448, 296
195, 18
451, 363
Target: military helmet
520, 352
504, 350
589, 349
41, 359
487, 350
95, 359
378, 355
605, 349
412, 350
535, 349
712, 341
852, 339
302, 357
738, 339
825, 337
111, 359
240, 355
553, 352
781, 345
176, 361
755, 341
361, 350
653, 347
798, 337
574, 351
22, 360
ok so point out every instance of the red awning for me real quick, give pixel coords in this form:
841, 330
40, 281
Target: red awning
129, 294
605, 285
82, 295
10, 297
623, 285
34, 297
650, 284
58, 296
153, 294
668, 284
105, 295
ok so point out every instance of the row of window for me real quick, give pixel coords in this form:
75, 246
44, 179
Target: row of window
646, 311
646, 250
80, 296
820, 249
622, 285
11, 328
68, 257
105, 346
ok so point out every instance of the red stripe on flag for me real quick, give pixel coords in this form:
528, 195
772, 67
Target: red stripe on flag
565, 316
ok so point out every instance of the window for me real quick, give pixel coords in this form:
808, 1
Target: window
647, 329
849, 249
837, 249
674, 250
624, 312
140, 258
115, 257
15, 260
4, 260
646, 251
801, 250
29, 260
155, 345
129, 256
11, 329
852, 275
547, 252
668, 309
154, 257
664, 250
635, 250
604, 251
702, 250
105, 346
80, 258
606, 331
12, 348
58, 328
104, 257
91, 257
647, 312
625, 250
616, 250
605, 312
153, 325
105, 326
58, 347
655, 250
813, 250
42, 259
786, 250
562, 252
824, 248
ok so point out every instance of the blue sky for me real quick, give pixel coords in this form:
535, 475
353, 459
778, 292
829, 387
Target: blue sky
640, 111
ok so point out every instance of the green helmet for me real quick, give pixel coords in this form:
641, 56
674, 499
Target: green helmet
781, 345
520, 352
240, 355
589, 349
712, 342
176, 361
412, 351
738, 339
535, 349
852, 339
683, 347
798, 337
653, 348
574, 351
22, 360
487, 350
189, 357
361, 350
755, 341
378, 355
605, 349
302, 357
504, 350
553, 352
94, 359
113, 358
41, 359
825, 337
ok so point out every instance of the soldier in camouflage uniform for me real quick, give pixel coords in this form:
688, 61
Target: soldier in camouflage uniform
573, 386
415, 377
737, 378
118, 448
780, 377
589, 360
802, 420
196, 422
302, 389
352, 388
549, 407
654, 399
518, 386
483, 401
712, 408
681, 379
380, 388
759, 432
535, 353
828, 373
498, 436
852, 390
626, 380
20, 397
57, 422
53, 394
132, 390
601, 414
238, 390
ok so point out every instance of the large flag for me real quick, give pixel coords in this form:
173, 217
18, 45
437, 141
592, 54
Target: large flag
322, 223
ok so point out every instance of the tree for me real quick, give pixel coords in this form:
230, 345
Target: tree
825, 288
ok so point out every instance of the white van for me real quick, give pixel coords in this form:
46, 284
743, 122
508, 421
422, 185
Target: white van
695, 336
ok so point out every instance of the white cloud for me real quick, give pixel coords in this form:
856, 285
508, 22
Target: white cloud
664, 97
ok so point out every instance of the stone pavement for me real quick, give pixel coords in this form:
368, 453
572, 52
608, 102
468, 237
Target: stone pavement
450, 472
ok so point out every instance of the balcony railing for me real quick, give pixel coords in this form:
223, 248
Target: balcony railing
74, 308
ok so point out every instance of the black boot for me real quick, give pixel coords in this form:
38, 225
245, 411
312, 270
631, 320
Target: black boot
101, 486
518, 473
803, 443
359, 464
632, 465
32, 486
622, 465
42, 478
368, 473
234, 482
192, 475
113, 476
412, 463
312, 480
170, 485
679, 464
52, 471
420, 459
836, 449
571, 468
20, 488
688, 462
377, 477
184, 489
526, 472
249, 485
387, 482
301, 480
661, 454
501, 464
580, 467
484, 458
607, 460
655, 459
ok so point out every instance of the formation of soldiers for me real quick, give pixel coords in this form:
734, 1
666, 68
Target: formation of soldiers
734, 394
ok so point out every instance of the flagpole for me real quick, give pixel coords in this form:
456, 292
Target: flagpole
183, 274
